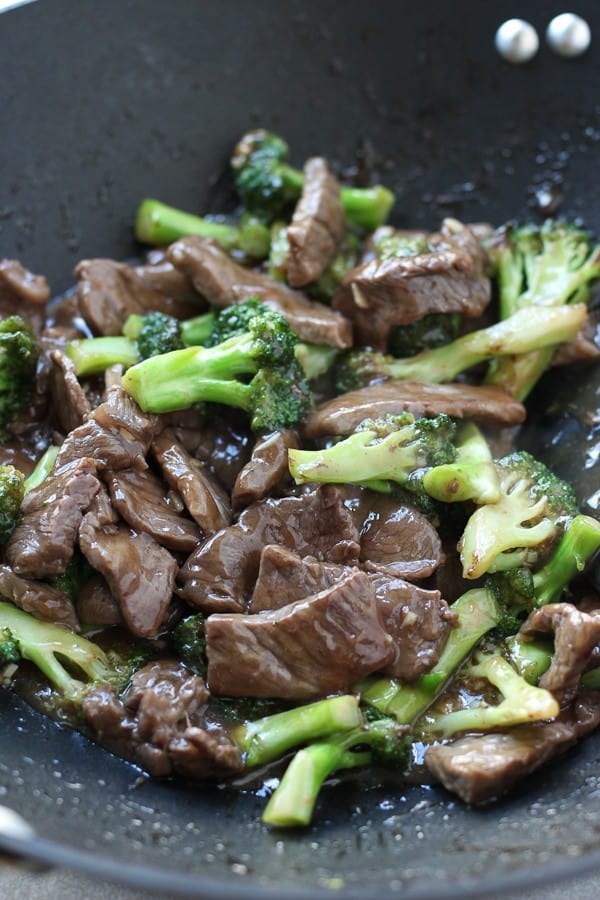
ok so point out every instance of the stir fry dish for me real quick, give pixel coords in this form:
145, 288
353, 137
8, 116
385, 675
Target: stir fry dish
262, 502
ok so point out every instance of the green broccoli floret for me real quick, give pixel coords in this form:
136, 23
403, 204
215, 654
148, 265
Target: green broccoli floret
525, 331
393, 448
524, 525
19, 352
159, 224
9, 649
547, 267
434, 330
268, 186
256, 371
75, 576
12, 491
189, 642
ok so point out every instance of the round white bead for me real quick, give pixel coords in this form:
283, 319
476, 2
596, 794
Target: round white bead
568, 35
517, 41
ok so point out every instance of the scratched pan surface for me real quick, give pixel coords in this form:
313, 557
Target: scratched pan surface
102, 104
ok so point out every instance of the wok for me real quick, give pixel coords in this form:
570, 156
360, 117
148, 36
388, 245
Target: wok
105, 103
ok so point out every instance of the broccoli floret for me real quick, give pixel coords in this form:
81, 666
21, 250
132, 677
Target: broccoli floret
75, 576
189, 642
547, 267
19, 352
159, 224
524, 332
389, 243
9, 649
524, 525
12, 491
268, 186
431, 331
256, 371
158, 333
393, 448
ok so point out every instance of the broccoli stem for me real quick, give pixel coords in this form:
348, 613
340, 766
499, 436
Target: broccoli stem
578, 544
530, 658
42, 469
472, 476
518, 375
92, 356
525, 331
159, 224
268, 738
315, 359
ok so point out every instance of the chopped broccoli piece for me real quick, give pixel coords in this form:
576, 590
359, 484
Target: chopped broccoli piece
315, 359
92, 356
269, 187
9, 649
19, 352
12, 491
389, 243
159, 333
189, 642
75, 576
42, 468
524, 525
547, 267
472, 475
431, 331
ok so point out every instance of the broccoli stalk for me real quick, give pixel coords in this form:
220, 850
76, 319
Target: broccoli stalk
578, 544
293, 802
19, 352
545, 267
268, 186
524, 524
42, 468
92, 356
12, 491
525, 331
159, 224
472, 476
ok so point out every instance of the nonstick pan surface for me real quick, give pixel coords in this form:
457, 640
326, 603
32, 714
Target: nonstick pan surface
102, 104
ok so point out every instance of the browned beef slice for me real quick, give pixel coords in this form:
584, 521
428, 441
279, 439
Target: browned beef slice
220, 575
398, 290
142, 500
22, 293
317, 225
222, 281
96, 605
177, 295
481, 768
37, 598
223, 443
162, 724
206, 499
140, 573
576, 636
266, 469
284, 577
71, 406
42, 544
418, 621
310, 648
484, 403
117, 434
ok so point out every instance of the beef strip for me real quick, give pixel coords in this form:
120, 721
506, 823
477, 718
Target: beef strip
220, 575
484, 403
139, 572
22, 293
483, 767
163, 724
178, 297
110, 291
95, 604
222, 281
71, 405
308, 649
205, 499
42, 544
576, 637
266, 470
117, 434
142, 500
317, 225
398, 290
284, 577
223, 442
38, 598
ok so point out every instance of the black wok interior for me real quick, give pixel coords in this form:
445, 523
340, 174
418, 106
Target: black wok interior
105, 103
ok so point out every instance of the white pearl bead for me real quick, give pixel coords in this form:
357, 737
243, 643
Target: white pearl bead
568, 35
517, 41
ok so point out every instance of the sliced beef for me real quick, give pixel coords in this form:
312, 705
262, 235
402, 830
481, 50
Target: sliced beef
266, 469
110, 291
308, 649
220, 575
482, 768
39, 599
448, 278
162, 724
22, 293
317, 225
222, 442
117, 434
139, 572
96, 605
143, 501
71, 405
178, 297
42, 544
284, 577
222, 281
206, 499
485, 403
576, 637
